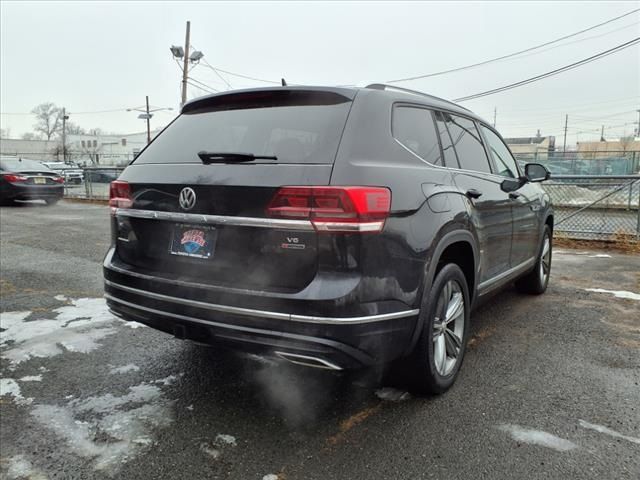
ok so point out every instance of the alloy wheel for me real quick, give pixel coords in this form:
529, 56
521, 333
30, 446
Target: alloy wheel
448, 328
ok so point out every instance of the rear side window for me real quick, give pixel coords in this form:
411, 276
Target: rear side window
467, 143
501, 155
413, 127
450, 159
294, 125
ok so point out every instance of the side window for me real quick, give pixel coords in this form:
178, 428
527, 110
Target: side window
413, 127
501, 154
467, 143
450, 159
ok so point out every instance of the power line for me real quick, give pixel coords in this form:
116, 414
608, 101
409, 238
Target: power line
457, 69
206, 64
199, 87
209, 87
552, 72
245, 76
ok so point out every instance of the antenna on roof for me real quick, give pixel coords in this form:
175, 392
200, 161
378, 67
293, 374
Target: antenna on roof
284, 82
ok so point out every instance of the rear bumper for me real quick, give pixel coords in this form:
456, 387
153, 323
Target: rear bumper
32, 192
262, 324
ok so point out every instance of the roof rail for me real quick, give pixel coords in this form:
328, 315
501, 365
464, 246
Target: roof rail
384, 86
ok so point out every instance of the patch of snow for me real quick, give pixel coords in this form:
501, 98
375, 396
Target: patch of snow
392, 394
538, 437
77, 327
190, 407
124, 369
132, 324
61, 298
616, 293
228, 439
608, 431
31, 378
209, 450
9, 387
169, 380
128, 420
270, 476
600, 255
19, 467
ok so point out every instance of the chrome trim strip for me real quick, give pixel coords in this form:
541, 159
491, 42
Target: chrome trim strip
300, 360
263, 313
349, 227
487, 284
178, 217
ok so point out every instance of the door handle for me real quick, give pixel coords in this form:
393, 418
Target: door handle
473, 193
514, 195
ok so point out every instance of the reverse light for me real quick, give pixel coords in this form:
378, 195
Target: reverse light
14, 178
334, 209
120, 194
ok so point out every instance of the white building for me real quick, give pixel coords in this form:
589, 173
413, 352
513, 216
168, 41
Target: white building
103, 149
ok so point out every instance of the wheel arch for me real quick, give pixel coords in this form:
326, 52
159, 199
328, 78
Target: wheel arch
456, 246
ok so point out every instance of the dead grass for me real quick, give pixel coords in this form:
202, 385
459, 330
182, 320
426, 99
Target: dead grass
622, 243
351, 422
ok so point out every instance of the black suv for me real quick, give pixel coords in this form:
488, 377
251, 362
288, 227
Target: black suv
332, 227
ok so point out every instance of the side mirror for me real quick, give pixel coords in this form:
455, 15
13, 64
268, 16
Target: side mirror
536, 172
512, 184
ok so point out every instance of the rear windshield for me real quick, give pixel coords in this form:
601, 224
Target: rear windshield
21, 165
295, 126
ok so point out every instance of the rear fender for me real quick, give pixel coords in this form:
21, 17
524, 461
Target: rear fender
441, 243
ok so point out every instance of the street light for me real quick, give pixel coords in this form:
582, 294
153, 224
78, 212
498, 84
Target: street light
178, 52
196, 56
147, 115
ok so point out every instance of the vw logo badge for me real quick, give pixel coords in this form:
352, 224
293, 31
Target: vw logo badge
187, 198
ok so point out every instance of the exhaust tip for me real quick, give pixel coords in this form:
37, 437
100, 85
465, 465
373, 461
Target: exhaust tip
308, 361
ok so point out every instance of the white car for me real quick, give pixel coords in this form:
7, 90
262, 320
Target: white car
72, 174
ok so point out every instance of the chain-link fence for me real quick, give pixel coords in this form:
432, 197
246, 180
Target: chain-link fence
585, 162
594, 207
93, 183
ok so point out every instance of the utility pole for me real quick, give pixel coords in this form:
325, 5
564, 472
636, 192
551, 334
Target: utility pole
185, 68
564, 145
148, 122
602, 134
495, 112
65, 117
638, 132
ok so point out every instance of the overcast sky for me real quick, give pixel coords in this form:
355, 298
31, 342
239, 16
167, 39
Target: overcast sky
95, 56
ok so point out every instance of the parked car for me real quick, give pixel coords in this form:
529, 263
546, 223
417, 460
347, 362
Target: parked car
331, 227
102, 174
23, 179
72, 174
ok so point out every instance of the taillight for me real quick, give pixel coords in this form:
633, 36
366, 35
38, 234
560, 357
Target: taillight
14, 178
334, 209
120, 194
58, 179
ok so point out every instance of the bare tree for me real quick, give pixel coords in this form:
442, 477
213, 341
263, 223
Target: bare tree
95, 131
48, 119
74, 129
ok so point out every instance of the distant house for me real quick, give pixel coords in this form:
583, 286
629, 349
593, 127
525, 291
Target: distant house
537, 147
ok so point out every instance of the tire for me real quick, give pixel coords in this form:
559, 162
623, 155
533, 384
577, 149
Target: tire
449, 292
52, 201
536, 281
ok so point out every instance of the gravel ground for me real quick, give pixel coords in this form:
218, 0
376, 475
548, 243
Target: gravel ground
549, 388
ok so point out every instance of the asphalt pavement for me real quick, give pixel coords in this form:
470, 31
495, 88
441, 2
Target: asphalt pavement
549, 387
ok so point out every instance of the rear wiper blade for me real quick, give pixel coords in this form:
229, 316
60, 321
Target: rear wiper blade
224, 157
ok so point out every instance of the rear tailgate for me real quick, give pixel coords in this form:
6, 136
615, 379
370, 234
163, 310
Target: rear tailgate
225, 237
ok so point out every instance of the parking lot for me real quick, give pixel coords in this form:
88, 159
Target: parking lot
550, 387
